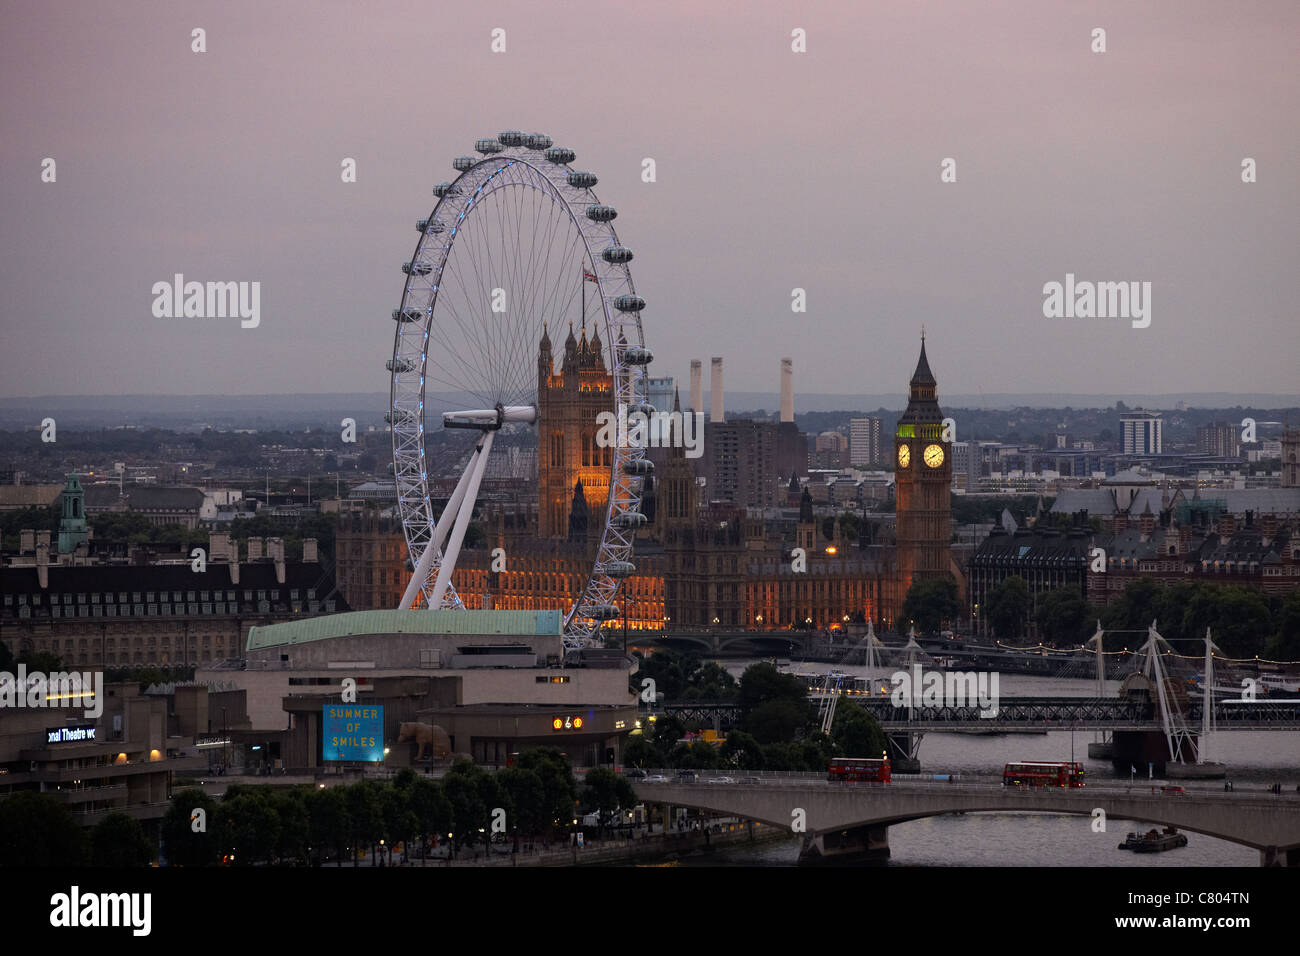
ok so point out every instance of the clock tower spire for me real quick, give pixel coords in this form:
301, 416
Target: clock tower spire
923, 482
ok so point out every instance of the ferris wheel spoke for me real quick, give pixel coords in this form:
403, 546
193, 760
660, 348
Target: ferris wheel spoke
515, 221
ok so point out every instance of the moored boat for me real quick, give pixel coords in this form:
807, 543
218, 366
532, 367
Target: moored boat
1154, 841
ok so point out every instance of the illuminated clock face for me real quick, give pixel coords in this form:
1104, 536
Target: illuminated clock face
904, 456
933, 455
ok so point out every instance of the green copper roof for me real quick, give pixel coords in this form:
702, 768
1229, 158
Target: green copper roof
447, 623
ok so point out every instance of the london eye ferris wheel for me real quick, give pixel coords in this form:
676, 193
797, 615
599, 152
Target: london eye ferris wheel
517, 243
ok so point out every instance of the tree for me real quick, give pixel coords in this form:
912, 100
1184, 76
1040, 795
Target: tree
295, 823
742, 751
526, 798
119, 841
36, 830
400, 821
931, 603
248, 827
366, 816
1065, 618
431, 807
41, 661
605, 792
856, 732
773, 706
699, 755
181, 843
328, 821
1286, 643
640, 751
777, 720
469, 811
762, 683
1008, 608
560, 790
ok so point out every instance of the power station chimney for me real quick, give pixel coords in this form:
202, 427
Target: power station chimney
715, 391
787, 390
697, 386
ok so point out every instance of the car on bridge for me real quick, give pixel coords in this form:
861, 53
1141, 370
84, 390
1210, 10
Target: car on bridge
687, 776
634, 774
721, 780
655, 778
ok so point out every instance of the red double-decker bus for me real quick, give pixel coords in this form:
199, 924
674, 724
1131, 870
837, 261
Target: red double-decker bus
1036, 773
858, 769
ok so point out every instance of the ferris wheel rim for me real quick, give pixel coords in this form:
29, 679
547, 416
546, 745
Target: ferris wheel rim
625, 332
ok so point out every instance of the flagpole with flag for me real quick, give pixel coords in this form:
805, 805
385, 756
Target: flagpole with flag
586, 277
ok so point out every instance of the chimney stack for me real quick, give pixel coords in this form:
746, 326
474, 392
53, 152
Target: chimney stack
787, 390
275, 551
254, 549
697, 386
310, 556
43, 563
715, 391
218, 546
26, 541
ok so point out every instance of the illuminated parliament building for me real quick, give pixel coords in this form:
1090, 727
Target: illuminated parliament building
699, 564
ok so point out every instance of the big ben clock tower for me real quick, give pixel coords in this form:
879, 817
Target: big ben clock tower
923, 482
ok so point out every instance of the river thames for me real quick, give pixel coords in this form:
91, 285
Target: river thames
1254, 760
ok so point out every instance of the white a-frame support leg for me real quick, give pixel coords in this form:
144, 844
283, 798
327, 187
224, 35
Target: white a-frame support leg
477, 466
461, 500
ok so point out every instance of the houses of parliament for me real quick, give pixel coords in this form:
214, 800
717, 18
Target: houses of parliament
699, 563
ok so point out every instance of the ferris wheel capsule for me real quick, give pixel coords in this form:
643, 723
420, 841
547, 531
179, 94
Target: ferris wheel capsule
629, 303
642, 408
448, 330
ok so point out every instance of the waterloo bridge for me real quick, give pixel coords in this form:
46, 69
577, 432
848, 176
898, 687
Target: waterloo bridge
850, 821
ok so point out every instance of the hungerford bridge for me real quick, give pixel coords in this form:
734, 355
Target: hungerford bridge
1151, 705
850, 821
